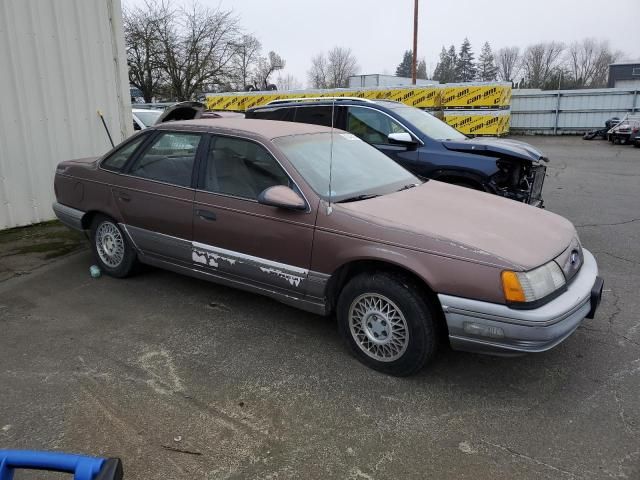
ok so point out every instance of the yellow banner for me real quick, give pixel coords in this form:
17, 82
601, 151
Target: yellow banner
476, 95
420, 97
479, 122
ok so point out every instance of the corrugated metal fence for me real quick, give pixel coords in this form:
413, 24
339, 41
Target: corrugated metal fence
61, 61
569, 111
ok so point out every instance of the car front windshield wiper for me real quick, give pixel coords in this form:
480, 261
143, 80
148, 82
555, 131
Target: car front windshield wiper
407, 187
357, 198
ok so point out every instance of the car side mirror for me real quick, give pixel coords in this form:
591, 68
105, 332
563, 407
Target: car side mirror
282, 196
403, 138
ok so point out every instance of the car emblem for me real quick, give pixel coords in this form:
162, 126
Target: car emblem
574, 257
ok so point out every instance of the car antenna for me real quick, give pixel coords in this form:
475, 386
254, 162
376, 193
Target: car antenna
330, 207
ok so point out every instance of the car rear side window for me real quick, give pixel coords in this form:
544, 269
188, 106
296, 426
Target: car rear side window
117, 159
314, 115
371, 126
282, 114
169, 159
241, 168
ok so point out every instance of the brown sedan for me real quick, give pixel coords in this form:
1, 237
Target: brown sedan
324, 222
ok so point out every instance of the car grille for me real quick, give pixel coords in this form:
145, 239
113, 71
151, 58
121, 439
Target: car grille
538, 173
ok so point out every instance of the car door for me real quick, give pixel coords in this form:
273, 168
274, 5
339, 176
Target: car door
374, 127
155, 195
239, 238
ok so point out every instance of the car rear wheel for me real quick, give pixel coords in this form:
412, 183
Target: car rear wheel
387, 323
112, 251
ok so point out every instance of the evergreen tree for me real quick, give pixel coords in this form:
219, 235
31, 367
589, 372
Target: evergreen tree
465, 66
487, 70
452, 72
445, 71
404, 69
421, 72
440, 66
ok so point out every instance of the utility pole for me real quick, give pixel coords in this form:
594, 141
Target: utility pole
414, 61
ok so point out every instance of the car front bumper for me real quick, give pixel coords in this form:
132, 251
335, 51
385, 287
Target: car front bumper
497, 329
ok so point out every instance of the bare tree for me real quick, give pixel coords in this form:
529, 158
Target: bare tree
144, 49
334, 70
264, 69
588, 62
508, 63
247, 53
342, 65
197, 47
540, 62
288, 82
318, 74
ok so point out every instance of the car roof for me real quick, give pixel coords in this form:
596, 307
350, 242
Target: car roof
338, 102
265, 128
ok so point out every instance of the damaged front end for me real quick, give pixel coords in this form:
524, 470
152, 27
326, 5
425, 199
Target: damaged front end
519, 180
520, 167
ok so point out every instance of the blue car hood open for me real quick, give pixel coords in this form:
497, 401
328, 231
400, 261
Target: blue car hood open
497, 146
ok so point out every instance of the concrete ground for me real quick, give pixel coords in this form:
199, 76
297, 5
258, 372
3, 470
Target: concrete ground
185, 379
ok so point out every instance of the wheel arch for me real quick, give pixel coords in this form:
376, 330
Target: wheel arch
350, 269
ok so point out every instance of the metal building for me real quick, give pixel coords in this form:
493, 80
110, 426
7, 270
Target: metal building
380, 80
61, 61
624, 75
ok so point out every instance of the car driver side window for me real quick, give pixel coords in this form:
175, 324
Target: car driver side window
372, 126
241, 168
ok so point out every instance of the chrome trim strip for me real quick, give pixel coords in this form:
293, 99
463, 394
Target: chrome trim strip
250, 258
308, 305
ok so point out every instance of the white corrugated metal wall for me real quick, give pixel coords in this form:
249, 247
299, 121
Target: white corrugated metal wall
61, 61
570, 111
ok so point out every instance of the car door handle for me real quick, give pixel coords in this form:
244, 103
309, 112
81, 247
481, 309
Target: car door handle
124, 197
206, 215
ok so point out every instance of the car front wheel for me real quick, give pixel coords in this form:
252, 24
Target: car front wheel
111, 249
387, 323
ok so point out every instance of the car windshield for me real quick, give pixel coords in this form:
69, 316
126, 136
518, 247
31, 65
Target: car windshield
148, 117
428, 124
358, 169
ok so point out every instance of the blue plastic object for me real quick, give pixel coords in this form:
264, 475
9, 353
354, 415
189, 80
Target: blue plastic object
82, 467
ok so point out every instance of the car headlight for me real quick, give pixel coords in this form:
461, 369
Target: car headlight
534, 285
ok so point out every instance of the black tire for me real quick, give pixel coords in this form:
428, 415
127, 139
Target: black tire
589, 135
127, 262
419, 321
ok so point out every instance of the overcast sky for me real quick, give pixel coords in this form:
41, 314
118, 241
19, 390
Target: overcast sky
378, 31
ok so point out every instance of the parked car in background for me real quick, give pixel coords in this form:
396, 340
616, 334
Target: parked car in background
145, 117
425, 145
636, 141
626, 130
320, 220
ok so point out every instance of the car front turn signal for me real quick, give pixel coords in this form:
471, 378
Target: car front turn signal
511, 287
534, 285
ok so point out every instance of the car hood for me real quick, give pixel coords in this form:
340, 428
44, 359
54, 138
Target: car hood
181, 111
451, 220
499, 146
